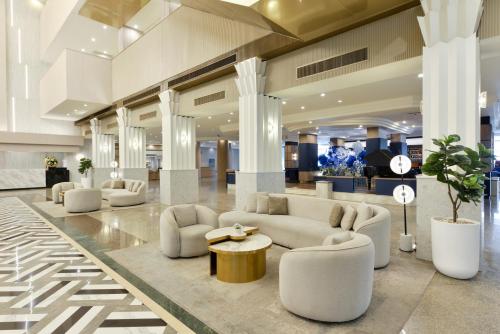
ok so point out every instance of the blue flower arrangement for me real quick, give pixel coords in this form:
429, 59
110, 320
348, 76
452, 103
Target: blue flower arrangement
340, 161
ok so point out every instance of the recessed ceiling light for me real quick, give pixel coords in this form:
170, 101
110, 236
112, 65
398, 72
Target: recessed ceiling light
105, 52
310, 122
231, 113
340, 101
85, 105
404, 122
229, 121
67, 114
396, 123
420, 75
360, 126
413, 126
136, 26
298, 132
209, 117
105, 27
75, 110
317, 128
302, 107
283, 102
322, 94
92, 39
83, 50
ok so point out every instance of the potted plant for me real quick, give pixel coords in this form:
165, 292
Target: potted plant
456, 241
50, 162
84, 168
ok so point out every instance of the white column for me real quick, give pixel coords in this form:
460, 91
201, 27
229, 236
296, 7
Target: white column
260, 134
451, 85
179, 176
132, 147
103, 146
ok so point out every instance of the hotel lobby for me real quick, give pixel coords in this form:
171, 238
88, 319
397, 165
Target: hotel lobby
249, 166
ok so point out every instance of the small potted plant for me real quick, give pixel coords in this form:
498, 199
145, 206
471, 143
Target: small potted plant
50, 162
84, 168
456, 241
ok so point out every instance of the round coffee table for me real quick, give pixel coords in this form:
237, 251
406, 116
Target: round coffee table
239, 261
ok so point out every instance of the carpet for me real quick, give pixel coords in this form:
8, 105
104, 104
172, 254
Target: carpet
58, 210
256, 308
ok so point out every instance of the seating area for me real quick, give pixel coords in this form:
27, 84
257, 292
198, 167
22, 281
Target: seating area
124, 192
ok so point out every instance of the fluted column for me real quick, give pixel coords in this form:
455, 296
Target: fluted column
132, 147
179, 176
260, 134
451, 85
103, 146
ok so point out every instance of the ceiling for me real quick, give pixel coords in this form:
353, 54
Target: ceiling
112, 13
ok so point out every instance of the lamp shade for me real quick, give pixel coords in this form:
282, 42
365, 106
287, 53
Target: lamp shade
403, 194
400, 164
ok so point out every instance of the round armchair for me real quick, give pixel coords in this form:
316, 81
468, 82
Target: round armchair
328, 283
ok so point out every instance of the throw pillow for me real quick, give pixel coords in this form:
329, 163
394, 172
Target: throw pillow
336, 215
136, 186
278, 205
252, 201
348, 218
185, 215
130, 186
262, 204
117, 184
337, 238
364, 212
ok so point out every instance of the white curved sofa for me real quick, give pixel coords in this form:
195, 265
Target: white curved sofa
82, 200
307, 224
331, 283
124, 196
177, 240
63, 186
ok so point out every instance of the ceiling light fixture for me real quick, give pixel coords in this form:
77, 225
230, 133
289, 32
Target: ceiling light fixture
136, 26
231, 113
283, 102
105, 52
413, 126
92, 39
209, 117
310, 122
85, 105
404, 122
83, 50
302, 107
198, 125
229, 121
298, 132
340, 101
105, 27
67, 114
317, 128
420, 75
75, 110
322, 94
396, 123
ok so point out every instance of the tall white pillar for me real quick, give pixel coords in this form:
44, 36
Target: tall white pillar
132, 147
179, 176
260, 134
103, 152
451, 85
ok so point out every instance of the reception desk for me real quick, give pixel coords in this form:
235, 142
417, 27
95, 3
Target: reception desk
22, 178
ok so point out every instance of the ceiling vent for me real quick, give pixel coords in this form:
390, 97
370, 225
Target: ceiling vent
133, 100
332, 63
224, 62
210, 98
147, 115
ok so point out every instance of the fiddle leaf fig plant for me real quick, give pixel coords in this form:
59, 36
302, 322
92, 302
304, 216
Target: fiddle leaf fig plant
461, 168
85, 166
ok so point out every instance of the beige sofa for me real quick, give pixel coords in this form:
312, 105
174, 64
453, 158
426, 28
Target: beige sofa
82, 200
307, 224
63, 186
178, 239
124, 196
331, 283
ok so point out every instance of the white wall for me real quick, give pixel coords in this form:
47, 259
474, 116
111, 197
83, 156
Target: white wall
3, 68
72, 160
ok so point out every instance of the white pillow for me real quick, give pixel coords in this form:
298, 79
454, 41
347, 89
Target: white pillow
348, 218
364, 212
251, 205
337, 238
262, 204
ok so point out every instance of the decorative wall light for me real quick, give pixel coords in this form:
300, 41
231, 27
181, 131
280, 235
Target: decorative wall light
295, 156
270, 128
114, 173
403, 194
483, 99
183, 138
135, 144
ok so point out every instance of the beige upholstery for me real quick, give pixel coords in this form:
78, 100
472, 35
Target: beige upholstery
82, 200
328, 283
186, 241
124, 197
308, 224
63, 186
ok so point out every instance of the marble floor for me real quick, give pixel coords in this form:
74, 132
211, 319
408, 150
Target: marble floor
440, 305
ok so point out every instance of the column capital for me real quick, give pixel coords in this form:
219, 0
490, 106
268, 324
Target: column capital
169, 102
123, 117
445, 20
251, 78
95, 125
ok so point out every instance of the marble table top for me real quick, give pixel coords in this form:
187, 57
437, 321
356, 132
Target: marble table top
252, 243
229, 233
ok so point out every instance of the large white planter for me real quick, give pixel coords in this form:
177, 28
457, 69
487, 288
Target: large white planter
455, 247
86, 182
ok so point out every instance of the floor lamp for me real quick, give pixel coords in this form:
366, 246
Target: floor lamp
403, 194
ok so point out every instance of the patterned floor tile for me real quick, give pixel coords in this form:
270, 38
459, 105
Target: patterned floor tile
48, 286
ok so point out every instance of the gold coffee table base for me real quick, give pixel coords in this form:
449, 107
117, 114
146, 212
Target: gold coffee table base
238, 268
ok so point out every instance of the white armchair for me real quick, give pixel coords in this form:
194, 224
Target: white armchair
63, 186
181, 237
328, 283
